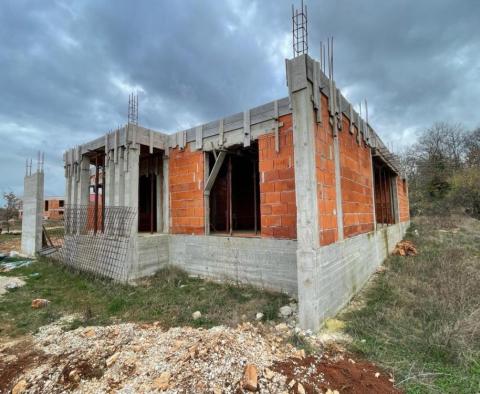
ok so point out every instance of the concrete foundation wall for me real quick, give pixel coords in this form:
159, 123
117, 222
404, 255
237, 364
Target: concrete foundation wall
345, 266
267, 263
152, 255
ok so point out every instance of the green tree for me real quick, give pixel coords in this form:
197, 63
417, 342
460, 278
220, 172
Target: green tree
10, 209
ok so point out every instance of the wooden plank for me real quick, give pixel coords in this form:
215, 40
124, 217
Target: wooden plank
215, 170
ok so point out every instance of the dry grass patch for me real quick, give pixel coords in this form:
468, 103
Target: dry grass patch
422, 314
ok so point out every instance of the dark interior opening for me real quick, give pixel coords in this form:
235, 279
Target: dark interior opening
383, 179
46, 205
235, 195
149, 167
96, 202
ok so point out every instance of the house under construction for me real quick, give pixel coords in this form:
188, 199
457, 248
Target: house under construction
298, 195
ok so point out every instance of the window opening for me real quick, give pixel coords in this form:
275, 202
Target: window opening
234, 197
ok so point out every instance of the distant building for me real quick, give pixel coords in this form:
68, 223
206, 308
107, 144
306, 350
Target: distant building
53, 208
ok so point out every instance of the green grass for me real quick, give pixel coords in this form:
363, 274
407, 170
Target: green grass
169, 297
8, 237
421, 317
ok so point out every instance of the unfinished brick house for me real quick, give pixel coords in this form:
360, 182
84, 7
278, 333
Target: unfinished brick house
298, 195
53, 208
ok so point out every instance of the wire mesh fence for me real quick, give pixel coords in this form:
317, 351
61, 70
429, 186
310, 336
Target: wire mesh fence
95, 242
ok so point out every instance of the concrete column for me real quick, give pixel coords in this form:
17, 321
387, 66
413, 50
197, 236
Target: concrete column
74, 184
119, 179
395, 206
166, 195
68, 186
131, 181
308, 239
84, 181
32, 220
159, 187
373, 194
109, 181
338, 186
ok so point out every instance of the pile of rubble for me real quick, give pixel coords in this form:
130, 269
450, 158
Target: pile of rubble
405, 248
133, 358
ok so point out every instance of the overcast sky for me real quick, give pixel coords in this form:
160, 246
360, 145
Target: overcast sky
66, 68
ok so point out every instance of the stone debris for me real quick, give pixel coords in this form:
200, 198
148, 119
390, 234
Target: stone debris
111, 360
259, 316
250, 378
142, 358
196, 315
162, 382
20, 387
286, 311
300, 389
268, 373
405, 248
10, 283
39, 303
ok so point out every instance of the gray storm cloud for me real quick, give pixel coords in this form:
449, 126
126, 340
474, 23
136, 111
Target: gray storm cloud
67, 67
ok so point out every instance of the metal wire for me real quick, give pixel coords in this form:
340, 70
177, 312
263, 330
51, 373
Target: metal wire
299, 31
103, 254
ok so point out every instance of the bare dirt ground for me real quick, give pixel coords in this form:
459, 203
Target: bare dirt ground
10, 243
132, 358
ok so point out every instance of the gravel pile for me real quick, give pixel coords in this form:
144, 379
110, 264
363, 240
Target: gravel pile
131, 358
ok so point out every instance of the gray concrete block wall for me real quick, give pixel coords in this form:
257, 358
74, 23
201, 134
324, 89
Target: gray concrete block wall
345, 266
267, 263
152, 254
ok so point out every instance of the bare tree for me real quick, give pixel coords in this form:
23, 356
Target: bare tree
472, 145
442, 168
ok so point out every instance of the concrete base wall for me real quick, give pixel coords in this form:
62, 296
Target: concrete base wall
345, 266
341, 268
267, 263
152, 254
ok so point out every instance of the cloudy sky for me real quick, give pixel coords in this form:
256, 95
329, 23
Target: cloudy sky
66, 68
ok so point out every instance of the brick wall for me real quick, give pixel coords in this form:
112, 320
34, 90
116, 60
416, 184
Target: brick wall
403, 205
186, 191
277, 183
356, 181
54, 212
325, 170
